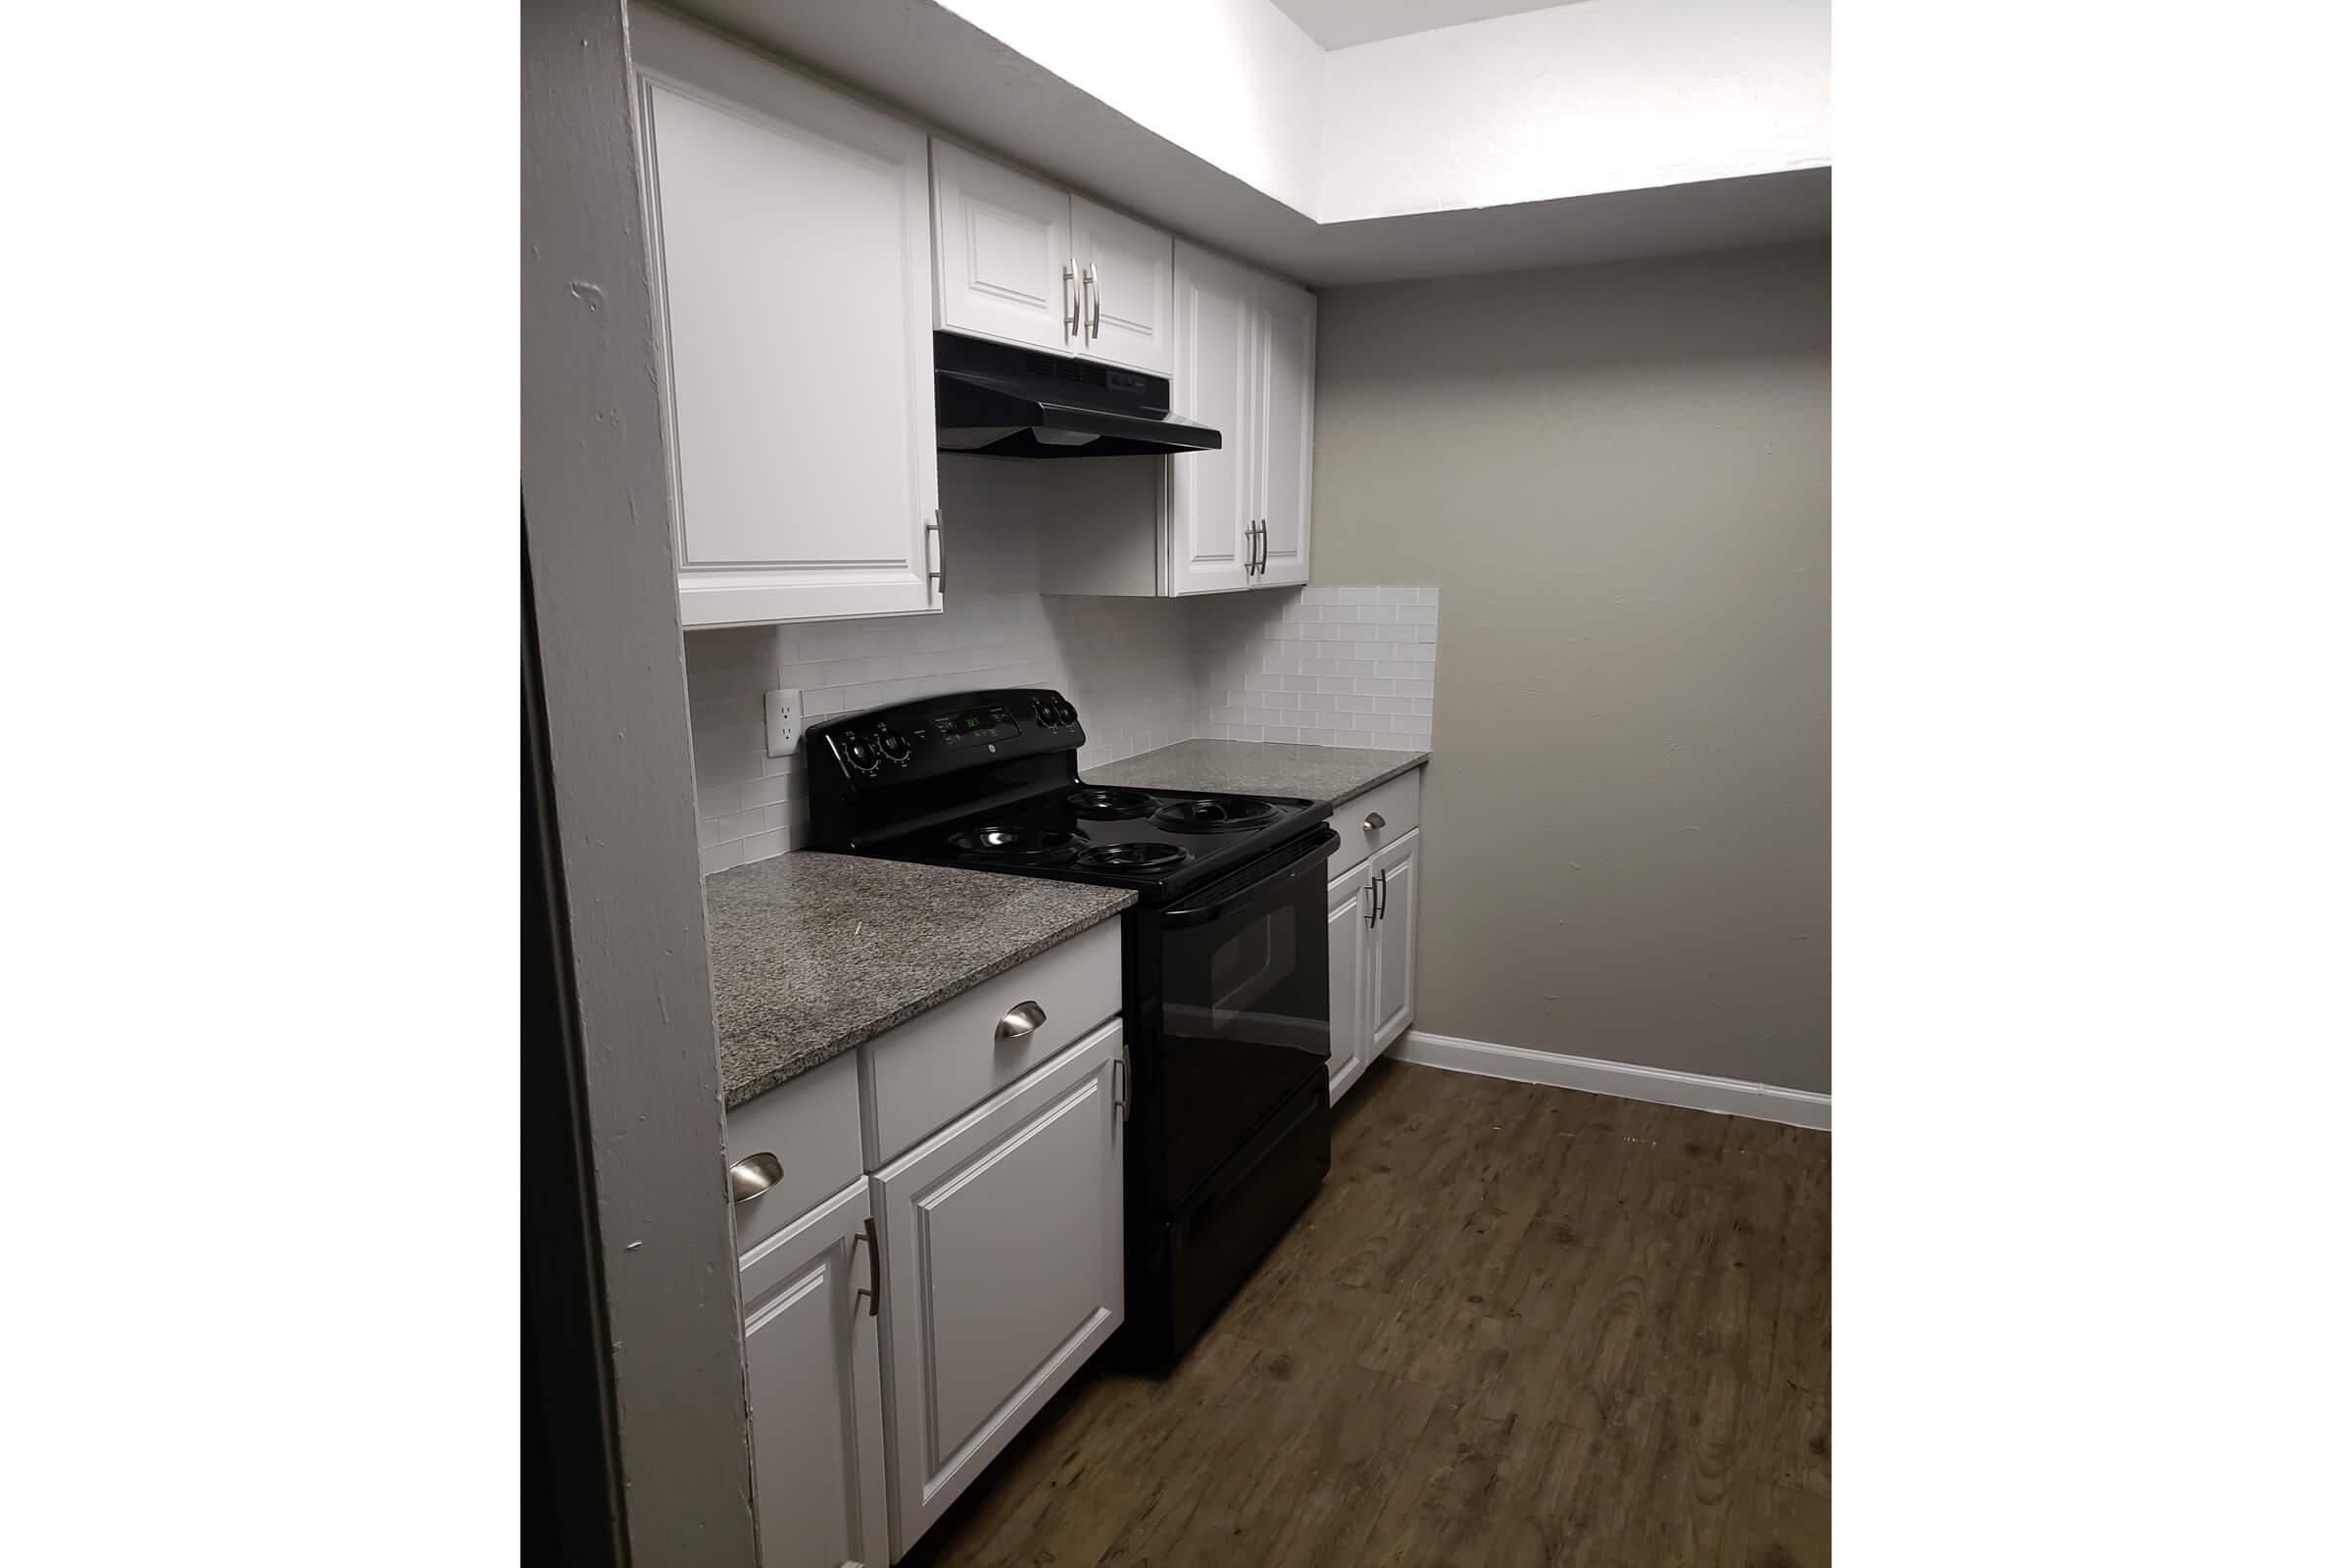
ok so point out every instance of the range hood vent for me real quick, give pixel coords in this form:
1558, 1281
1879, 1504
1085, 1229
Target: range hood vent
997, 400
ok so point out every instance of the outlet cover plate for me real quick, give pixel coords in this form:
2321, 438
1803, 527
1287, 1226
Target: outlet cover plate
783, 720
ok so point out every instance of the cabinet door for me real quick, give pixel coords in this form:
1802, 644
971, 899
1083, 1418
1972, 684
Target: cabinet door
1005, 263
1002, 1270
1214, 495
790, 231
1395, 894
1127, 271
1286, 459
1350, 1025
810, 1351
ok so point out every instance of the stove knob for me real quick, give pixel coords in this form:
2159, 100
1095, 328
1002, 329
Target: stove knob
1068, 715
893, 745
860, 756
1047, 714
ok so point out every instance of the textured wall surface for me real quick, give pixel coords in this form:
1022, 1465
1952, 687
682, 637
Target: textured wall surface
1619, 476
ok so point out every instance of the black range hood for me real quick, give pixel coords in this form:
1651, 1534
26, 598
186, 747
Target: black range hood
997, 400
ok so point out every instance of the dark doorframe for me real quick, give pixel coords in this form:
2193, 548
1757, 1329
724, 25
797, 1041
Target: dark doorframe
571, 1500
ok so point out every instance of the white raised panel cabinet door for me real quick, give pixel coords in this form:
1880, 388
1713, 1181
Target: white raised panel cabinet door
1002, 1271
1396, 895
790, 231
810, 1352
1127, 275
1286, 464
1214, 495
1350, 1030
1005, 262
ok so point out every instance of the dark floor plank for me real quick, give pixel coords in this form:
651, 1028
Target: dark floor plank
1519, 1326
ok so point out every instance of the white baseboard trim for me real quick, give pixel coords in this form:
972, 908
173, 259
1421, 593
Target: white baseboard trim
1796, 1107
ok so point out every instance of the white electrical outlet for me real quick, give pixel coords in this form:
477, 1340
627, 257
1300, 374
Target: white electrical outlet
783, 720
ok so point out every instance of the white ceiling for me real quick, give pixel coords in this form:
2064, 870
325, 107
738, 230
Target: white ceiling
1339, 24
935, 68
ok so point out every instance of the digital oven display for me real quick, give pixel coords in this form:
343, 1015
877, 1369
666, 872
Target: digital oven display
972, 726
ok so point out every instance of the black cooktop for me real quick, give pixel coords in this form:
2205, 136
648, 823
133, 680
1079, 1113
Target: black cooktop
989, 779
1156, 840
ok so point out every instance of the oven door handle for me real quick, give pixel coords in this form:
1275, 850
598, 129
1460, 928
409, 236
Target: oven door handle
1228, 895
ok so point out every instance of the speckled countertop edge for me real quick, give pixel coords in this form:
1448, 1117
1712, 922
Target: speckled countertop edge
1334, 773
796, 980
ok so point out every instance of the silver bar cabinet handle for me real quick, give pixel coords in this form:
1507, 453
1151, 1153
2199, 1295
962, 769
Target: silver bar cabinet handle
1069, 298
1021, 1022
748, 1178
1093, 303
1371, 907
935, 548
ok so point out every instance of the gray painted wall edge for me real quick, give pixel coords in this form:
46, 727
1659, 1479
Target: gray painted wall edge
594, 486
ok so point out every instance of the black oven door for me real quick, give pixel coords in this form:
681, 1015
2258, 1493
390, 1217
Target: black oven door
1235, 1015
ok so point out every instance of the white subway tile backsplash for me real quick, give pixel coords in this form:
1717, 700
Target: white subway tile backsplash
1144, 672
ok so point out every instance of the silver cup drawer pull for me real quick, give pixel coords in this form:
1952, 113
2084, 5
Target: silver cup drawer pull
1021, 1022
748, 1178
1374, 822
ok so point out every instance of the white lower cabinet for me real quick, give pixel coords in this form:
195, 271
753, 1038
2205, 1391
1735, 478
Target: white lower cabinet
1375, 927
897, 1334
1394, 890
811, 1355
1002, 1270
1351, 908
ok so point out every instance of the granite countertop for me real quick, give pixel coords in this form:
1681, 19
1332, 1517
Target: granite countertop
812, 954
1334, 773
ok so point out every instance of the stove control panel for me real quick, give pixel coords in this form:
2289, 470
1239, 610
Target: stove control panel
986, 725
941, 735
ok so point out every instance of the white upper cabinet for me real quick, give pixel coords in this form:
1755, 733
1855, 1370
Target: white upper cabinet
1236, 518
1006, 268
1246, 363
1286, 433
1127, 289
1212, 496
1024, 262
790, 231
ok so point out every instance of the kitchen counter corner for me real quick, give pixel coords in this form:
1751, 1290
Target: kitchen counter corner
812, 954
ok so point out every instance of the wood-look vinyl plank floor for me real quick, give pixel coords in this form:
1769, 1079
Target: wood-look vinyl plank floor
1519, 1326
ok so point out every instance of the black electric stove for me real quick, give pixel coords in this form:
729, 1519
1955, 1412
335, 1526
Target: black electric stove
1226, 962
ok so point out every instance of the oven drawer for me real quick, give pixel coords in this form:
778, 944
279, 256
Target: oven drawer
1398, 804
932, 1069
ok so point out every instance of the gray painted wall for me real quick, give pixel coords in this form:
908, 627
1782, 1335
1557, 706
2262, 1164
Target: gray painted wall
1619, 476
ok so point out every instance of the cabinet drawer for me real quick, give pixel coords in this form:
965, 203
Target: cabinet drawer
811, 1126
1398, 803
932, 1069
